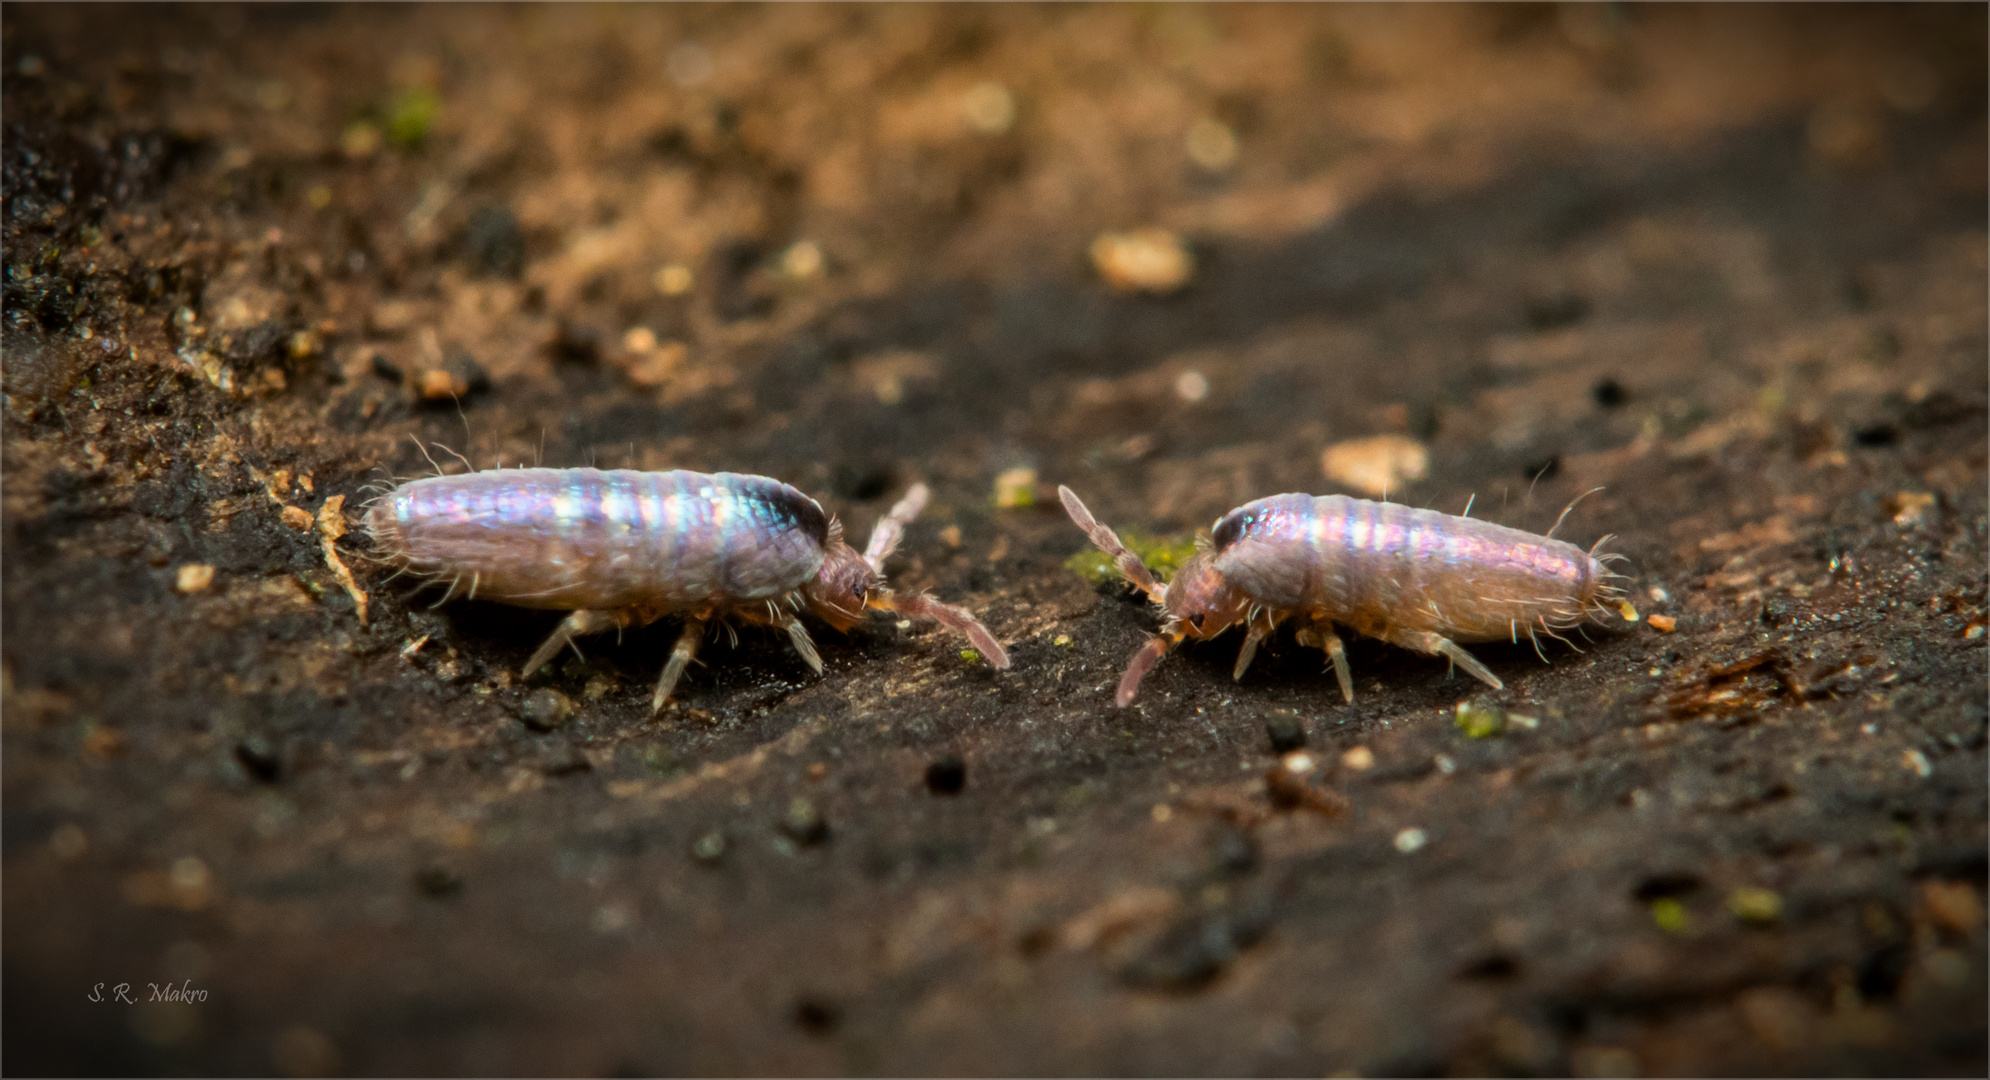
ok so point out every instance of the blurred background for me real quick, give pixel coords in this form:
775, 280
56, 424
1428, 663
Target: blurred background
1726, 262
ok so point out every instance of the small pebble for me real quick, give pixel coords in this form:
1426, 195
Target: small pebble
1192, 386
1755, 905
1911, 507
1916, 762
674, 280
1144, 260
460, 377
947, 776
436, 384
1376, 466
1286, 734
1664, 624
989, 108
657, 364
709, 848
298, 518
1015, 489
639, 339
1952, 904
1410, 841
1481, 721
193, 577
546, 709
260, 758
1211, 144
360, 140
1359, 758
804, 823
802, 261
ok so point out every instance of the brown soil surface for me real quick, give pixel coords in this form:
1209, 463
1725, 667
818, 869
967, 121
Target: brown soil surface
1726, 263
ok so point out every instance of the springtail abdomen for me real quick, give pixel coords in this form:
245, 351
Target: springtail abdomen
1419, 579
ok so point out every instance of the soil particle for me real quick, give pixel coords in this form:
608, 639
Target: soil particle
1724, 264
803, 822
1286, 734
259, 757
709, 848
546, 709
946, 776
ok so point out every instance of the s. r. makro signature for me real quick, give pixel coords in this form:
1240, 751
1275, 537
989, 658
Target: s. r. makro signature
184, 993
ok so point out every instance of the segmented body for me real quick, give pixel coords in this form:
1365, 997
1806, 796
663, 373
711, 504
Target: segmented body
1369, 565
586, 538
1419, 579
621, 548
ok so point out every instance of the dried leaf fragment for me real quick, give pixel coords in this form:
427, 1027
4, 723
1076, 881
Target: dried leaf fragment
1376, 466
331, 526
1144, 260
193, 577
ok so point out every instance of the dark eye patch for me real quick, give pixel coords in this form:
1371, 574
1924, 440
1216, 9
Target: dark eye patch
1230, 529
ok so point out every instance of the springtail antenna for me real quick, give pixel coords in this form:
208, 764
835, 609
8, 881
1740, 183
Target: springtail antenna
1107, 541
890, 528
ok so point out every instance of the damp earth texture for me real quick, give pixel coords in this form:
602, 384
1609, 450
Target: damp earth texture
266, 812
